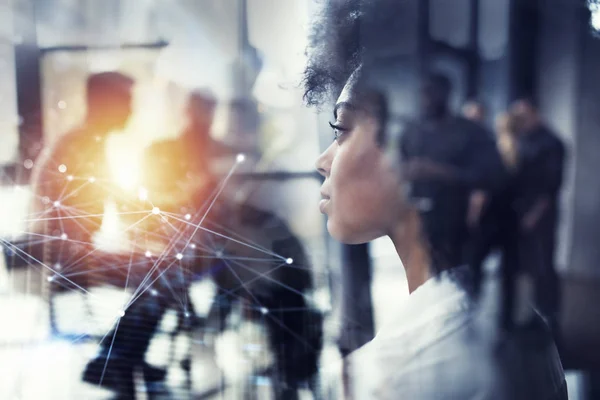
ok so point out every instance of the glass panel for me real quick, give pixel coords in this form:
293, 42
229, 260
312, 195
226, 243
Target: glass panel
449, 21
9, 135
493, 28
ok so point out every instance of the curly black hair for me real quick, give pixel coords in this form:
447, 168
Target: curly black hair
347, 34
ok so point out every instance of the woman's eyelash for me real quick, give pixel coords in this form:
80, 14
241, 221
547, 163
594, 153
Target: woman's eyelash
337, 130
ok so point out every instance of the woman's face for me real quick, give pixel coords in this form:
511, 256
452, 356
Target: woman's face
362, 194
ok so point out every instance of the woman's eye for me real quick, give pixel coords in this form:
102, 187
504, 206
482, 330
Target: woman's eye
338, 131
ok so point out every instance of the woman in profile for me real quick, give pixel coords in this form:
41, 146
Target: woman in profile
438, 344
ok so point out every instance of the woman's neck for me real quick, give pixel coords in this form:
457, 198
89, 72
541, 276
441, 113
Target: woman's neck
412, 249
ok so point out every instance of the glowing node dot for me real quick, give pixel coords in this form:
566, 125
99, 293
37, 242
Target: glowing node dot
148, 253
264, 311
62, 104
219, 253
57, 266
240, 158
28, 164
187, 314
70, 177
156, 211
62, 168
122, 313
63, 236
92, 179
179, 256
143, 194
57, 203
50, 279
153, 292
193, 245
188, 217
289, 261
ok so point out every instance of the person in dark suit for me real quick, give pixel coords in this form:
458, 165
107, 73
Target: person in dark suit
541, 156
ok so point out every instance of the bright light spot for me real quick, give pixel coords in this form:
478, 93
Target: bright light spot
112, 236
187, 314
50, 279
92, 179
70, 177
28, 164
240, 158
188, 217
46, 200
596, 19
57, 267
153, 292
62, 104
264, 311
156, 211
63, 236
193, 245
219, 254
125, 154
594, 6
62, 168
179, 256
143, 194
121, 313
289, 261
148, 253
57, 203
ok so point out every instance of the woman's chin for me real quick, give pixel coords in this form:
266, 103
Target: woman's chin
348, 236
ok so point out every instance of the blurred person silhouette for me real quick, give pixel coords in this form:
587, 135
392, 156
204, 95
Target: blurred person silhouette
445, 160
438, 344
71, 174
495, 225
541, 157
71, 181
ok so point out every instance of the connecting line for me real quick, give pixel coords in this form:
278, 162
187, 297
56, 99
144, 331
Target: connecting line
274, 280
162, 256
171, 246
109, 351
259, 276
75, 191
230, 232
239, 258
54, 238
298, 337
129, 266
233, 240
112, 268
45, 266
81, 216
242, 283
223, 184
95, 249
148, 286
183, 293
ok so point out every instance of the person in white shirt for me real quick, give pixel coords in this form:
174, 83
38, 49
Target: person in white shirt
441, 343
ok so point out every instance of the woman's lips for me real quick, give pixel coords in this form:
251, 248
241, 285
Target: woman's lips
323, 204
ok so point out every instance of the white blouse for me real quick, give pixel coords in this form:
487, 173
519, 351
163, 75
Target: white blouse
439, 345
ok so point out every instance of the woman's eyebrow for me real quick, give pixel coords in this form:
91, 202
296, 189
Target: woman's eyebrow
342, 104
